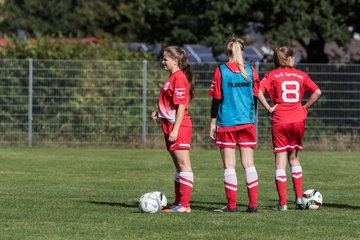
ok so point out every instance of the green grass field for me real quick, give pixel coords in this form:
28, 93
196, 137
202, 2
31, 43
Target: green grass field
91, 193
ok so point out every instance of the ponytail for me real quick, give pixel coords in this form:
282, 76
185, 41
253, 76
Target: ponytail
281, 57
234, 49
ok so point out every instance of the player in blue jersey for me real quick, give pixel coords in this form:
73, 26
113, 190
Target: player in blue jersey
234, 89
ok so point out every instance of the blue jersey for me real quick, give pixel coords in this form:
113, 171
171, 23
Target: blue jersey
237, 102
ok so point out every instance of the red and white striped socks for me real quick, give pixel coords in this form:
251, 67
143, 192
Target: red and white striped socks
280, 181
186, 180
296, 175
252, 183
230, 183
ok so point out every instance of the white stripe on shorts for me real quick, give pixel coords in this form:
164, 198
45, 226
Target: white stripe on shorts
246, 143
288, 146
184, 145
226, 143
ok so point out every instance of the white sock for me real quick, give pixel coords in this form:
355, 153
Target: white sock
280, 175
230, 179
251, 176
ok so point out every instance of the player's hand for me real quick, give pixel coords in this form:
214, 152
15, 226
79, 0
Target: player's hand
272, 109
212, 133
173, 136
154, 116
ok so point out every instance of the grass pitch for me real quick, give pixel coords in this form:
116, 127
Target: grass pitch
92, 193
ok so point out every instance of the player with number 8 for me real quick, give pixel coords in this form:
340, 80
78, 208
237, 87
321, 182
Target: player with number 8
286, 86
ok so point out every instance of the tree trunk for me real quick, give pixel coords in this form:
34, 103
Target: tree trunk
315, 52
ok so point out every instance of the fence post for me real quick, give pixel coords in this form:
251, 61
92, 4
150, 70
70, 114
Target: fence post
30, 104
144, 96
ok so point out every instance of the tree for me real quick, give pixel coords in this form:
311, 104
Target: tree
311, 23
80, 18
117, 18
194, 21
31, 16
222, 19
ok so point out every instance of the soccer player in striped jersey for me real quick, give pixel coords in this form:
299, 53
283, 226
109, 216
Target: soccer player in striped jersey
173, 104
286, 86
233, 90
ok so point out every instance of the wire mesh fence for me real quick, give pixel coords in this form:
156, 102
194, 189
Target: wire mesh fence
55, 102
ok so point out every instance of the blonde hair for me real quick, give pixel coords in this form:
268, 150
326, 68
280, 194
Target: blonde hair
234, 49
184, 64
281, 56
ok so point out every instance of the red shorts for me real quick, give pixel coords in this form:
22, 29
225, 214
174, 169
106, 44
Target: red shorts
288, 136
183, 139
244, 138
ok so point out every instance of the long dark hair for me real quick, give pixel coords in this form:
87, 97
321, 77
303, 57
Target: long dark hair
184, 64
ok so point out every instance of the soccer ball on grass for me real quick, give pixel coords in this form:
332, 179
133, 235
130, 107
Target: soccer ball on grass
312, 199
162, 198
149, 203
152, 202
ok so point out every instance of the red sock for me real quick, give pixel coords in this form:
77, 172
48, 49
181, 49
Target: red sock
280, 180
252, 186
177, 188
296, 175
186, 185
230, 183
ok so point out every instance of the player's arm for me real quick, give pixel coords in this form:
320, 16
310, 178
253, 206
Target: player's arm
214, 112
215, 93
179, 117
265, 104
264, 86
313, 98
313, 89
256, 86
